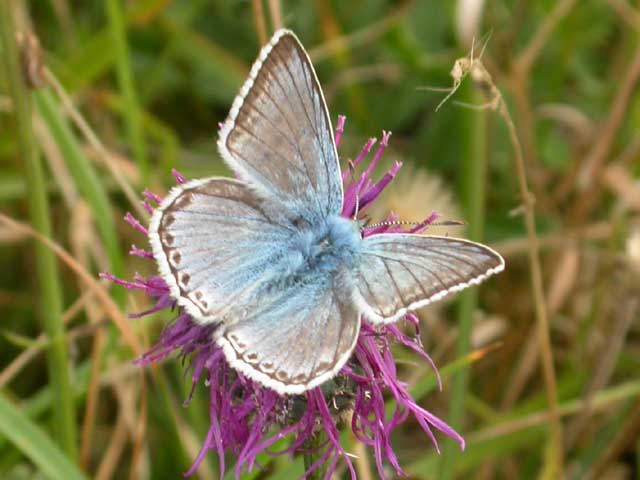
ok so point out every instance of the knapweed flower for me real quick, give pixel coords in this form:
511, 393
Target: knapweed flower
248, 418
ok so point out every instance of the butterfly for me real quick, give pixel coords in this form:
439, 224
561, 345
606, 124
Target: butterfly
267, 256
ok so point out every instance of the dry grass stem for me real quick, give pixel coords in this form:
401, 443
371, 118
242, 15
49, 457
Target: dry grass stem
57, 164
110, 307
563, 279
626, 13
603, 401
259, 20
519, 246
82, 239
363, 468
475, 69
140, 458
525, 366
594, 162
619, 180
276, 14
26, 356
531, 52
95, 143
621, 315
359, 37
117, 442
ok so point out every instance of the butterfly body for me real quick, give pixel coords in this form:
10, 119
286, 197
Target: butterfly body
268, 257
322, 247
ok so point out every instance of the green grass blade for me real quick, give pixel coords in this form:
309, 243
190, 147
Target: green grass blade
86, 179
48, 278
133, 113
35, 444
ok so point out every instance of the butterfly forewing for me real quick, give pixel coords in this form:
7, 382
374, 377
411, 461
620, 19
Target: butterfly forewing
402, 272
278, 135
215, 242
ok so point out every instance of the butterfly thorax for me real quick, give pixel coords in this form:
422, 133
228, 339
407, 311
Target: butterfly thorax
322, 248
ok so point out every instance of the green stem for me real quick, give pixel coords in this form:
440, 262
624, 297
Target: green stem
132, 111
312, 455
87, 180
47, 275
474, 135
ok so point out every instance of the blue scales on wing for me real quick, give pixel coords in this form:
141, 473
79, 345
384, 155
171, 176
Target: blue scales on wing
279, 292
296, 337
212, 239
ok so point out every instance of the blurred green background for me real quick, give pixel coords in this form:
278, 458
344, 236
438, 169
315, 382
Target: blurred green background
125, 91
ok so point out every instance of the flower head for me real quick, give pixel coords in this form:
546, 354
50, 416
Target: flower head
248, 418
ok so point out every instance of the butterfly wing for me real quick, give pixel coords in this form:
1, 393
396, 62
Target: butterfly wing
278, 135
402, 272
215, 242
223, 252
296, 338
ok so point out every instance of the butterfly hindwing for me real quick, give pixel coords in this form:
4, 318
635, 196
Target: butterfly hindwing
296, 337
278, 135
402, 272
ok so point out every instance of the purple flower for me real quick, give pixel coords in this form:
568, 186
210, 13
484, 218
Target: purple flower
247, 418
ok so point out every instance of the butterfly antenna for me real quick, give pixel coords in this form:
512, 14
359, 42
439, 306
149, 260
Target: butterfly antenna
444, 223
391, 224
449, 223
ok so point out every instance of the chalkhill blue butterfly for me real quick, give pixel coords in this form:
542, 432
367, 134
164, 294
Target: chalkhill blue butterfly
268, 256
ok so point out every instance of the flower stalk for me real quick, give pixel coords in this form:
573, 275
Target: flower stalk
473, 194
